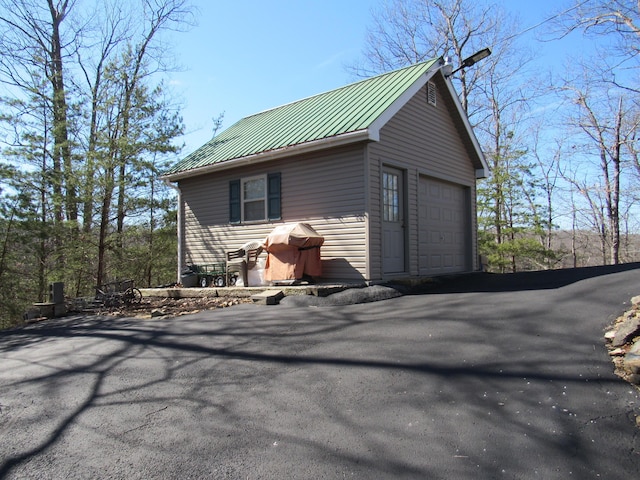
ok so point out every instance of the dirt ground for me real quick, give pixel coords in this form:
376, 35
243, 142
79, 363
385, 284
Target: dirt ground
151, 307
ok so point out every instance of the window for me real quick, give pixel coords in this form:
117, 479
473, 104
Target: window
254, 202
390, 197
254, 199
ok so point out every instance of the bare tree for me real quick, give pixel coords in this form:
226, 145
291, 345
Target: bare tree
632, 139
90, 79
129, 97
410, 31
546, 164
619, 18
93, 60
143, 59
34, 46
592, 215
616, 23
600, 121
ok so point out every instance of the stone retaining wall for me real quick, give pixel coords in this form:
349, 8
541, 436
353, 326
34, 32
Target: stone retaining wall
623, 341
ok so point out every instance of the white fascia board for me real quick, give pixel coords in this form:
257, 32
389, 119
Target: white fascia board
467, 126
402, 100
314, 146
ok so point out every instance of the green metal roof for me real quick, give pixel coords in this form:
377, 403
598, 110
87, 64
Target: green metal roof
349, 109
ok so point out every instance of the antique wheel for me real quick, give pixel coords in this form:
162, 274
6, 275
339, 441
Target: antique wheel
132, 295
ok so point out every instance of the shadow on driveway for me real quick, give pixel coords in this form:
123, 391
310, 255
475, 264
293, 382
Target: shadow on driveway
509, 387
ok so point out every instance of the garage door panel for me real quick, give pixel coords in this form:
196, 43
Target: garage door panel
443, 237
436, 261
448, 261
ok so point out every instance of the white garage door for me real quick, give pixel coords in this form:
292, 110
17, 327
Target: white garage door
443, 227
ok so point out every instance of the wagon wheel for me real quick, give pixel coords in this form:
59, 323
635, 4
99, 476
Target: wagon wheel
219, 281
132, 295
205, 282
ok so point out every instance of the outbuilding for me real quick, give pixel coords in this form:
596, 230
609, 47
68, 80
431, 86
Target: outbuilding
384, 169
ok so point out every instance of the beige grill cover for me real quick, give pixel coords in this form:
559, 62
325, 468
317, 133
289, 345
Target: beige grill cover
294, 251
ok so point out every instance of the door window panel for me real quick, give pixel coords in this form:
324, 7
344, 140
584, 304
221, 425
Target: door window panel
390, 197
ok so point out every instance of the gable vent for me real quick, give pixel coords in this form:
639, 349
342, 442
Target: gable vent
431, 93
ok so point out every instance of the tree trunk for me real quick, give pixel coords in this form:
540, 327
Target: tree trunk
87, 214
615, 189
102, 238
61, 149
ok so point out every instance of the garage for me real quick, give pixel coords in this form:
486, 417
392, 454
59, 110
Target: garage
444, 238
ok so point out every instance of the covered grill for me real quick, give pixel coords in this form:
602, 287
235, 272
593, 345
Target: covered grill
294, 252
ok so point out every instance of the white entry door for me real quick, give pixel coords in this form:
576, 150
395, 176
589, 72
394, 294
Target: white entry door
393, 236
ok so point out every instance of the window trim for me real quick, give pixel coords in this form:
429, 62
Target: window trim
272, 198
264, 200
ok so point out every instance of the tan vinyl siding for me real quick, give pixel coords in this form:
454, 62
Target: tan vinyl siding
325, 190
422, 139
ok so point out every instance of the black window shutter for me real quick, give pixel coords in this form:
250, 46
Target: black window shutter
234, 201
273, 194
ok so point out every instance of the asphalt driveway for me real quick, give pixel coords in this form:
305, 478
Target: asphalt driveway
482, 377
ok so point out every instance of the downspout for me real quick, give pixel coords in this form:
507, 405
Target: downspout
179, 227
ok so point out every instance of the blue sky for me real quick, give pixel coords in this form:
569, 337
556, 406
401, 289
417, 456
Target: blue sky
245, 56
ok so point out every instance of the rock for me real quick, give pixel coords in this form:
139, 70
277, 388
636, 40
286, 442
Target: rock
632, 360
268, 297
628, 329
635, 300
634, 378
156, 313
616, 352
635, 349
610, 335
